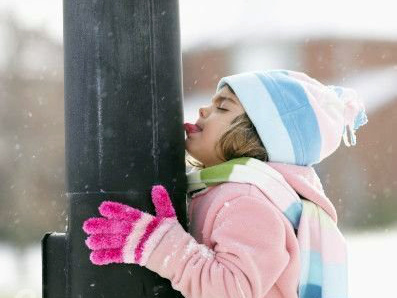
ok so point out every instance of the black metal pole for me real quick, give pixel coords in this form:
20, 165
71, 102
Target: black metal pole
123, 133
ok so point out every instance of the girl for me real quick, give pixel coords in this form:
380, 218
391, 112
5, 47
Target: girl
260, 222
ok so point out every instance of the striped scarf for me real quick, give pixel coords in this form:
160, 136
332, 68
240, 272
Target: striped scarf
323, 251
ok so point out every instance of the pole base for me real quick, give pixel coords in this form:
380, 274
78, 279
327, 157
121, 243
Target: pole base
53, 265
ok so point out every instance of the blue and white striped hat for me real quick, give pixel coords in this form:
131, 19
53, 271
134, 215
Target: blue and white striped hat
298, 119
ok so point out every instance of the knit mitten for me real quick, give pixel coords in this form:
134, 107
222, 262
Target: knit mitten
126, 234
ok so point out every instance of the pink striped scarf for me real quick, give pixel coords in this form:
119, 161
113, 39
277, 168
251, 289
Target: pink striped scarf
323, 250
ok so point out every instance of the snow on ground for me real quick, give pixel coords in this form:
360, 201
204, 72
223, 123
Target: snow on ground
372, 260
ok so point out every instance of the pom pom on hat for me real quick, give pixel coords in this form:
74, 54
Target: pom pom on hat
354, 113
298, 119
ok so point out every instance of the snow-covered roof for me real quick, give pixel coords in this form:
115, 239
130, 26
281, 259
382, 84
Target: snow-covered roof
37, 14
377, 87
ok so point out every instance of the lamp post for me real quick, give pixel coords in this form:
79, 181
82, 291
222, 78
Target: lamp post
123, 134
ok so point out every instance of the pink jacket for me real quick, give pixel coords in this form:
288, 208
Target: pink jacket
239, 244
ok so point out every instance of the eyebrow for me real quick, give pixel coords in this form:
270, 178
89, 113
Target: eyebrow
226, 98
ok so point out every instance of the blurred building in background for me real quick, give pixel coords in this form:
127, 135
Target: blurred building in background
31, 134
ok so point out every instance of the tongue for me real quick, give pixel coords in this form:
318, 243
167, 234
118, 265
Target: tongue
192, 128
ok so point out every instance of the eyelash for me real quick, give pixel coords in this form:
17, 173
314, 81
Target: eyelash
221, 109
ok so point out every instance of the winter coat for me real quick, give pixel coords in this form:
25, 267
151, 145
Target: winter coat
238, 243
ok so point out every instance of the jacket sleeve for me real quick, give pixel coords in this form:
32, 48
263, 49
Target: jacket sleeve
249, 253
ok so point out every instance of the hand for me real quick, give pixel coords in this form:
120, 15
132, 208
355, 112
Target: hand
126, 234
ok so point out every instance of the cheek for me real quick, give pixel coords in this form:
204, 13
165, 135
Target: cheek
211, 136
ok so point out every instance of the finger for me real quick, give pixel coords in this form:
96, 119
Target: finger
162, 202
105, 241
106, 256
117, 210
100, 225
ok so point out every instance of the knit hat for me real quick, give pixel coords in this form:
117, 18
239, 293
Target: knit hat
298, 119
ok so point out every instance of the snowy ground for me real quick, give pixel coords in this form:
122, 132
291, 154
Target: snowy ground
372, 262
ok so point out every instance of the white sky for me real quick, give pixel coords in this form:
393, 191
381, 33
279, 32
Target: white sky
222, 21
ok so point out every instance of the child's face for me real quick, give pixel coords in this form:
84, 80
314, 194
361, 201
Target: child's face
214, 122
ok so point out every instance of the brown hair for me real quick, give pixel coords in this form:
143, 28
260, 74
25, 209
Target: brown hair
240, 140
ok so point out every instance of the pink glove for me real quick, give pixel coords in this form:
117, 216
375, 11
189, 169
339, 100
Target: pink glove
128, 235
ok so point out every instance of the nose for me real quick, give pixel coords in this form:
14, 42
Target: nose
203, 112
